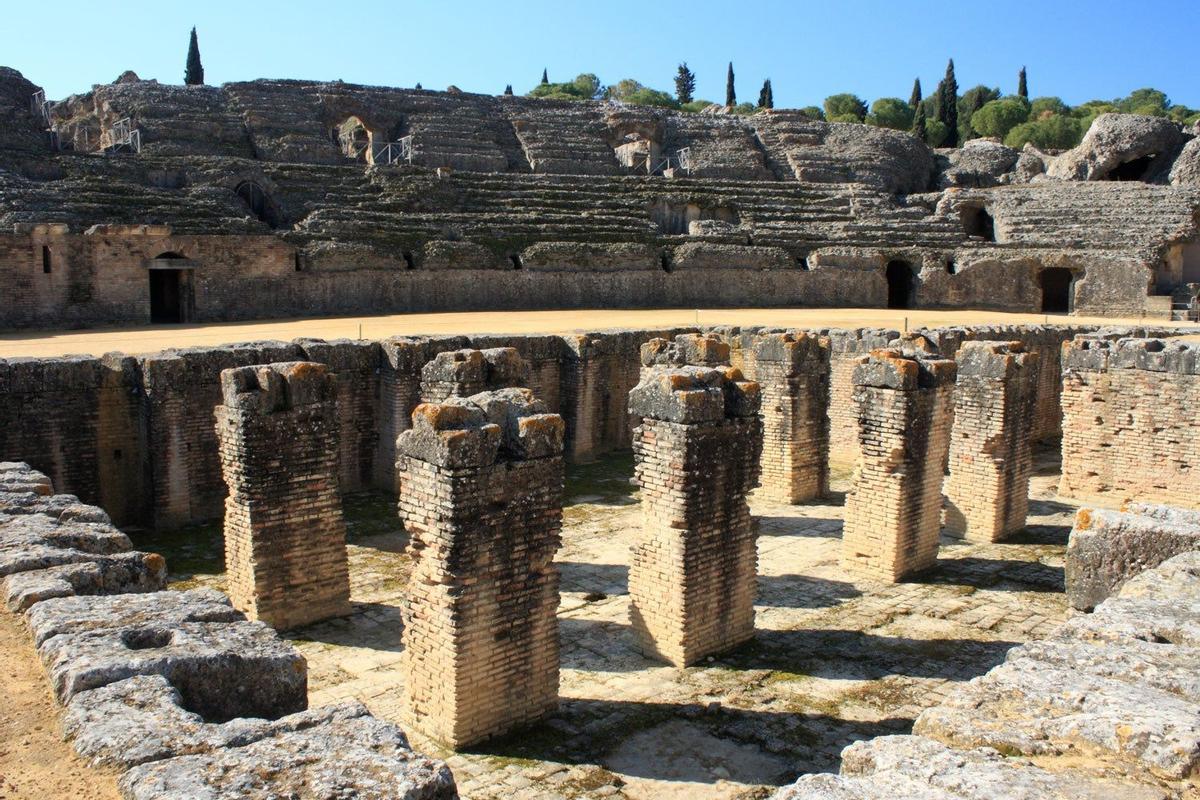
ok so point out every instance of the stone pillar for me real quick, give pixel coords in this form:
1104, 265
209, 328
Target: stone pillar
893, 510
481, 485
462, 373
687, 349
991, 457
692, 577
285, 539
793, 371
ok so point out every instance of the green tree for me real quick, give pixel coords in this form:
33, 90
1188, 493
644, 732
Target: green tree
891, 112
634, 93
730, 94
766, 96
508, 90
685, 84
696, 106
972, 100
1144, 101
743, 109
935, 133
584, 87
845, 108
1181, 113
1022, 85
998, 117
813, 112
1043, 106
919, 129
1048, 133
914, 99
545, 77
194, 72
948, 106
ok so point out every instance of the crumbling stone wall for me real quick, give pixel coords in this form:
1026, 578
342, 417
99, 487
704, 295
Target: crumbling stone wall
686, 349
692, 574
1129, 421
481, 483
462, 373
793, 371
285, 539
905, 404
991, 459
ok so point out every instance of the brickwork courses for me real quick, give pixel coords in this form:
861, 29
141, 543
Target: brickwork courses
481, 485
285, 538
793, 371
692, 575
1130, 412
991, 456
894, 507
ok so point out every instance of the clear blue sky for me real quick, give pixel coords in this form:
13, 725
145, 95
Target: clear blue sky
1076, 49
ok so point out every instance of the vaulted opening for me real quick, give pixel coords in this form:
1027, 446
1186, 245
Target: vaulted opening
353, 138
1135, 170
1056, 283
516, 260
259, 203
673, 218
899, 284
170, 289
979, 223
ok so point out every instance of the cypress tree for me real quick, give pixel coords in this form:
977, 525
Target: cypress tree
918, 128
685, 84
766, 98
948, 106
194, 74
730, 94
1022, 86
508, 90
545, 77
915, 98
418, 86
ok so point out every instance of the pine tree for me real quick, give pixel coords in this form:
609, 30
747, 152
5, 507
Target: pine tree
194, 74
915, 98
508, 90
685, 84
918, 128
948, 106
418, 86
1022, 86
766, 97
545, 78
730, 94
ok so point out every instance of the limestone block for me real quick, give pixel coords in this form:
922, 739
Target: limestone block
359, 757
1106, 548
687, 349
80, 614
689, 395
222, 670
114, 574
1177, 578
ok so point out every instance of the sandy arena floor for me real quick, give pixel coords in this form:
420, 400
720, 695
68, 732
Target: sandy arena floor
835, 660
151, 338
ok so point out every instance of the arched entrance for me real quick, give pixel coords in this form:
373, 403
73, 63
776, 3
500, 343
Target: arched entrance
1056, 283
978, 222
900, 284
259, 202
171, 296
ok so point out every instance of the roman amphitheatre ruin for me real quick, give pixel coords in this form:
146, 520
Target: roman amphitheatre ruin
388, 443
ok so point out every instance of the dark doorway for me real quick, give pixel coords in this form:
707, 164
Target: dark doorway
978, 222
260, 203
1056, 290
164, 296
899, 281
1135, 170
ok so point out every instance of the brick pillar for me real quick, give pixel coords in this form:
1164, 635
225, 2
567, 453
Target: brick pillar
285, 540
845, 348
893, 510
481, 485
687, 349
793, 371
692, 577
987, 493
462, 373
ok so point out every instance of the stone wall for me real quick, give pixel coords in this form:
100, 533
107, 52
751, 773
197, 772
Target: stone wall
481, 483
987, 493
285, 539
692, 574
905, 405
1129, 411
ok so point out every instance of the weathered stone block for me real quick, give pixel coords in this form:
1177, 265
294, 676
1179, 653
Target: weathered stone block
114, 574
81, 614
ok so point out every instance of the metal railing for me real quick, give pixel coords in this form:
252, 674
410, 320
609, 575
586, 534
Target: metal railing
39, 106
385, 153
685, 159
122, 137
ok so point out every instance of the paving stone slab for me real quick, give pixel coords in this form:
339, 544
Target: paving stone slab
362, 758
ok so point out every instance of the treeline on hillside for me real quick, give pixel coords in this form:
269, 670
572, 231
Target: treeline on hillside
1046, 122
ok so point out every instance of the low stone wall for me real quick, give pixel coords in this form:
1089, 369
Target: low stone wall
176, 691
1129, 409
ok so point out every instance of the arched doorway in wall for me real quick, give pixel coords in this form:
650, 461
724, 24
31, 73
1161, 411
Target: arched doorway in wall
1056, 283
171, 298
899, 284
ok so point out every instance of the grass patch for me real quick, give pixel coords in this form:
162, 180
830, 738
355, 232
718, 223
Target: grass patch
605, 481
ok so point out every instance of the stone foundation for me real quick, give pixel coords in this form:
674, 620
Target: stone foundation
793, 371
481, 483
991, 458
285, 539
893, 510
692, 575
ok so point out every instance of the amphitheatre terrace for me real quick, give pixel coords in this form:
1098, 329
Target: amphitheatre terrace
387, 443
